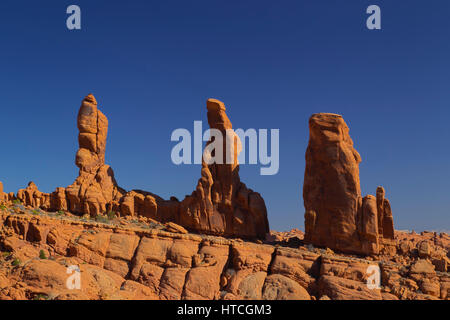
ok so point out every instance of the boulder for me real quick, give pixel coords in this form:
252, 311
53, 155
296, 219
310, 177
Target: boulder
279, 287
344, 289
422, 266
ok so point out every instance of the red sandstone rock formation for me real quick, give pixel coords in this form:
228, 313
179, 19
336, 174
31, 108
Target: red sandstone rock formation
220, 205
3, 196
95, 191
336, 216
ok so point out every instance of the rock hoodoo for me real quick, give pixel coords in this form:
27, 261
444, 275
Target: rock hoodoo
95, 191
220, 205
221, 202
336, 216
3, 196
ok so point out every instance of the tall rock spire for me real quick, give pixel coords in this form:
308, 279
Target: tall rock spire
95, 190
3, 196
221, 203
93, 130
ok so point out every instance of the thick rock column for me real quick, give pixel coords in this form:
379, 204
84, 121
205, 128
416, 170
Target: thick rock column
331, 189
3, 196
336, 216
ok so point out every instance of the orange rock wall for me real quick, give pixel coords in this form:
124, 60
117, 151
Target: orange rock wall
123, 262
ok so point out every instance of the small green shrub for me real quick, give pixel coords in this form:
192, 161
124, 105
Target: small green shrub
42, 255
17, 201
111, 215
77, 239
2, 207
16, 262
103, 219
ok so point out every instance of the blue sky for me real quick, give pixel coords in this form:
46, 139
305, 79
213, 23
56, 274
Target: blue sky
153, 64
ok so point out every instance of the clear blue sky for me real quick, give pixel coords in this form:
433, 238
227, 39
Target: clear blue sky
153, 64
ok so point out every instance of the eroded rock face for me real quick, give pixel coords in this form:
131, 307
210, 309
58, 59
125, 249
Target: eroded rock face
165, 265
336, 216
127, 261
220, 205
32, 196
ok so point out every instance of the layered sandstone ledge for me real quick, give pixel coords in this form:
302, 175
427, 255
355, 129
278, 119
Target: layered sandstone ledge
141, 259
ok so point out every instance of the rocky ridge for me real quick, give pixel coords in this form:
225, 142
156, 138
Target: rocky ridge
220, 205
143, 259
136, 245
